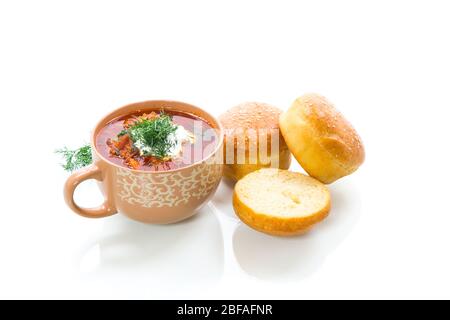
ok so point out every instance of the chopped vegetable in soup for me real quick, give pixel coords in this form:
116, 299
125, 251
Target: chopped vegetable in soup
156, 141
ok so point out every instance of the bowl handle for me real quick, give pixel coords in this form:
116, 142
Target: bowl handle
90, 172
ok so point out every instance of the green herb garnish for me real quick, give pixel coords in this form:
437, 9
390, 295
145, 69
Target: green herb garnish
151, 137
76, 159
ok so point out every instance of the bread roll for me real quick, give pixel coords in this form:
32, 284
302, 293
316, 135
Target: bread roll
250, 130
321, 139
280, 202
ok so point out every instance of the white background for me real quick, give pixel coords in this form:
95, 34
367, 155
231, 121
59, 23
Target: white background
385, 65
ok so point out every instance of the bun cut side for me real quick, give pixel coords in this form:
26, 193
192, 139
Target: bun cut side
280, 202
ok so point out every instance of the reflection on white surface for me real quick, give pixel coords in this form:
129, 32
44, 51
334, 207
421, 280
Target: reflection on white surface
91, 259
131, 254
269, 257
222, 199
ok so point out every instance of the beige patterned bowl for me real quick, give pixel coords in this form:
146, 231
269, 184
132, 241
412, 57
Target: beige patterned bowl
147, 196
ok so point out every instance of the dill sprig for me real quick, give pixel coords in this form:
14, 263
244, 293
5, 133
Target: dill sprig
154, 134
76, 159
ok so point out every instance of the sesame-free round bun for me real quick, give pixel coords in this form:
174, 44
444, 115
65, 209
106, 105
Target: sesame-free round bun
321, 139
251, 129
280, 202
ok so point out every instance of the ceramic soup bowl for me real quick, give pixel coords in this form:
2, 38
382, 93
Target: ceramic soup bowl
160, 197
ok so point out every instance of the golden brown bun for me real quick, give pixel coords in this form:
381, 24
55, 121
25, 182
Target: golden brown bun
240, 124
321, 139
280, 202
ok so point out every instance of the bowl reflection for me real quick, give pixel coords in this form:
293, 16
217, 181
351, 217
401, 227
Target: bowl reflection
130, 254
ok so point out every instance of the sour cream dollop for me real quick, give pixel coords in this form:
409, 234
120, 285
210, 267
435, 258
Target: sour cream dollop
176, 139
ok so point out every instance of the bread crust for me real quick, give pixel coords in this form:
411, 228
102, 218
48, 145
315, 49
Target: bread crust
239, 121
324, 143
277, 225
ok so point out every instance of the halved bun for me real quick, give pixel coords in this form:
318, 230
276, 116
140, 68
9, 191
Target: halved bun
280, 202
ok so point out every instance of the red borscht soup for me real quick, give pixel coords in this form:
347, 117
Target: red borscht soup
157, 140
